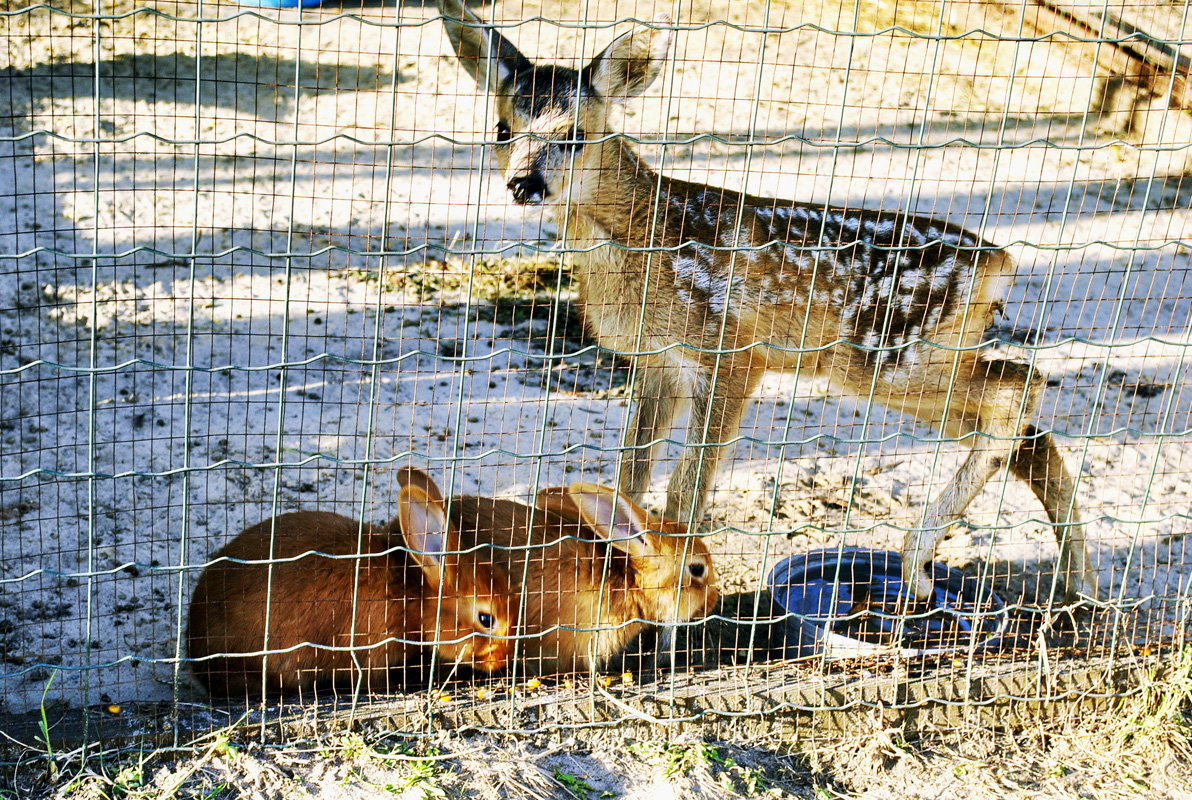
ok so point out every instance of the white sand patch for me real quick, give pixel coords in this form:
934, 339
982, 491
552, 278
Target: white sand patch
151, 405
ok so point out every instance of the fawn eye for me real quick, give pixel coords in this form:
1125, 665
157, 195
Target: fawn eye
576, 139
504, 133
485, 619
696, 570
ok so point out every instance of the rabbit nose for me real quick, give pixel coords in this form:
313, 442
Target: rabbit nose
493, 659
528, 189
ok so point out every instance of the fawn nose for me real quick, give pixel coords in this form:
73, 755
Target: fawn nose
528, 188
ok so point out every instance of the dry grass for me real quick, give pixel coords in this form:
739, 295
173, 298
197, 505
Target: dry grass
1143, 748
487, 278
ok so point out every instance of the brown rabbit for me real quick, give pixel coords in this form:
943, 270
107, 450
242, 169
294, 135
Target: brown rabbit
397, 596
595, 565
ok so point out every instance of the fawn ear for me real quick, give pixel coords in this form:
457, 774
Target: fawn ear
424, 527
488, 56
615, 517
557, 500
631, 63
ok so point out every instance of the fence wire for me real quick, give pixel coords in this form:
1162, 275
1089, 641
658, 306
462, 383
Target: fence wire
262, 261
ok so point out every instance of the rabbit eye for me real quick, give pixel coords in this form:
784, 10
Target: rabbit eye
576, 137
485, 619
696, 570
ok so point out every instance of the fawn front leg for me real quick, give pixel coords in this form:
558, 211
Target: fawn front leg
658, 394
1038, 462
718, 402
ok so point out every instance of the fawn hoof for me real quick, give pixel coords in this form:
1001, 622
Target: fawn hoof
916, 579
1086, 585
918, 549
1079, 577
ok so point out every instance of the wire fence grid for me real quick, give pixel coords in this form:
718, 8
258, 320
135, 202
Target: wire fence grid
260, 261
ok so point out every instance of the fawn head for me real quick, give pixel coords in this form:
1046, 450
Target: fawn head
552, 124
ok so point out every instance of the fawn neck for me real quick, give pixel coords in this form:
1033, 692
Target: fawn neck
616, 206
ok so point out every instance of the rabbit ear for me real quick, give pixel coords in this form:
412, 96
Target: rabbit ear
424, 527
614, 516
412, 476
557, 500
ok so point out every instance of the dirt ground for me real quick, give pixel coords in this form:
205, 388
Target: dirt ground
1130, 756
336, 328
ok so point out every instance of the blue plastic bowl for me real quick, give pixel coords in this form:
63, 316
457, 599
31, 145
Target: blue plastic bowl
283, 3
867, 606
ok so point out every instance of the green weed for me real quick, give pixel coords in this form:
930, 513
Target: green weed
578, 786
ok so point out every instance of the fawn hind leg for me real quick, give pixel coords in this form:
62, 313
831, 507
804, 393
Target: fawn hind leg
1038, 462
657, 397
719, 402
993, 401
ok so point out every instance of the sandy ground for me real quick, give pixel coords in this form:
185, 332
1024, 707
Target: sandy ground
1078, 763
152, 405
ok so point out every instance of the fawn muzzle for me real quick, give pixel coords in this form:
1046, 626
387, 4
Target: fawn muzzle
528, 189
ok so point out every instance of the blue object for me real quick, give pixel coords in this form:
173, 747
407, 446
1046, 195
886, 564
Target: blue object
282, 3
870, 600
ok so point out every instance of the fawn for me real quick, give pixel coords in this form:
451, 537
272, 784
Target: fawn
708, 288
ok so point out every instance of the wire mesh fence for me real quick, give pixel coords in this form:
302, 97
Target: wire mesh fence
335, 343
